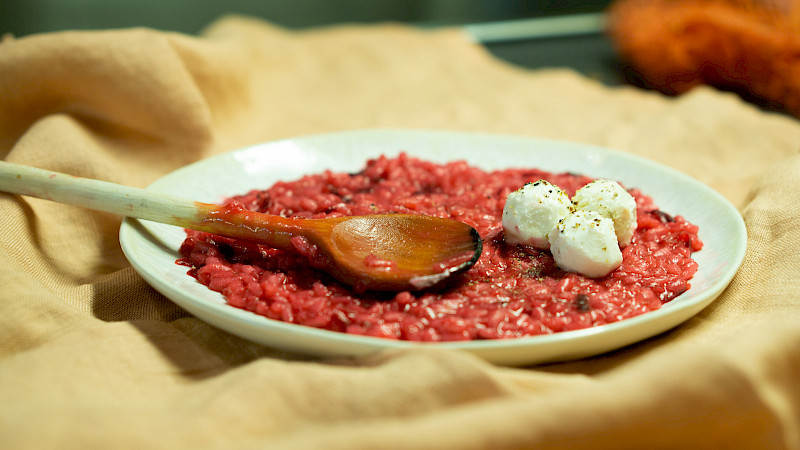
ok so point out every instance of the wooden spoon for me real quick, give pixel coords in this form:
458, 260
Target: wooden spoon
388, 252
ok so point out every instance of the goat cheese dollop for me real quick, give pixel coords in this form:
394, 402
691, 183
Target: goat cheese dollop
531, 212
610, 200
585, 242
584, 234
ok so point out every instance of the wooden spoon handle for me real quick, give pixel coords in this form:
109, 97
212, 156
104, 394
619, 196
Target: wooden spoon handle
149, 205
97, 195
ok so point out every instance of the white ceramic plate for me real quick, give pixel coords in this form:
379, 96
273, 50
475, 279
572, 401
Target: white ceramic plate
153, 248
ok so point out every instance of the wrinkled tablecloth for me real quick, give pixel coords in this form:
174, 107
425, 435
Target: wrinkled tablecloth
92, 357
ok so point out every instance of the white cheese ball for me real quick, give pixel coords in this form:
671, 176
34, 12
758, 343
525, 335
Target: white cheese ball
610, 200
585, 242
531, 212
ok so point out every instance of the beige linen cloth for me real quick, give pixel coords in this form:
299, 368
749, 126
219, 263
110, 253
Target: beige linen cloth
92, 357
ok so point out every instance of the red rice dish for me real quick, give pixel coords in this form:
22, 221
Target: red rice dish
509, 293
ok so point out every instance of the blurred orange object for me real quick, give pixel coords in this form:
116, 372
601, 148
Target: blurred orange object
750, 47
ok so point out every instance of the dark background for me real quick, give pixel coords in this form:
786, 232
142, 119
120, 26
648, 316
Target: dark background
589, 52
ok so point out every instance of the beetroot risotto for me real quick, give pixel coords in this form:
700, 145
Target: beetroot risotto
509, 293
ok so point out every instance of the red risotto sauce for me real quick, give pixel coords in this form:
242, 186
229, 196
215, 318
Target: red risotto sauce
509, 293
